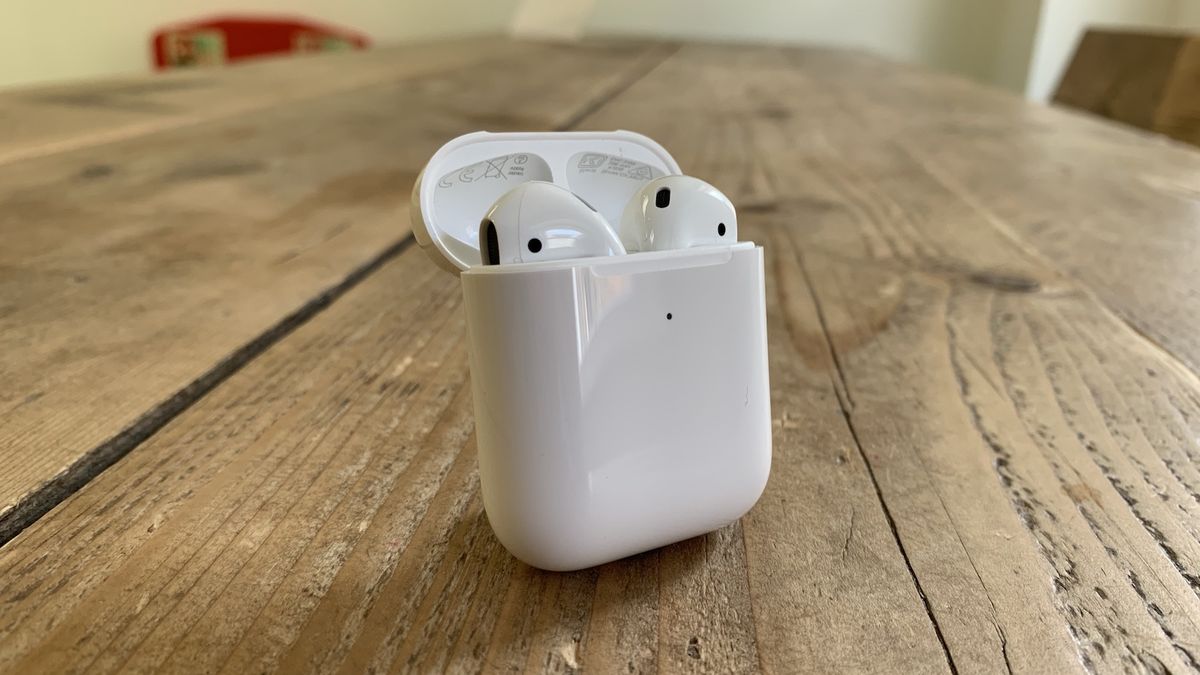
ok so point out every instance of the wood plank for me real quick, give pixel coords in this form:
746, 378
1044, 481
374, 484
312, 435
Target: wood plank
984, 483
366, 546
1021, 569
1014, 433
132, 273
832, 590
1108, 205
333, 522
44, 120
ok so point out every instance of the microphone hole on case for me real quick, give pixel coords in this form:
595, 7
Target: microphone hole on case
720, 229
662, 198
535, 245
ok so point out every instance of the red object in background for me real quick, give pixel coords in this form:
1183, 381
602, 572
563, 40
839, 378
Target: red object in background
221, 40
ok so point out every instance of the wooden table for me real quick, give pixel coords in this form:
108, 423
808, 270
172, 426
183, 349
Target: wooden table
235, 422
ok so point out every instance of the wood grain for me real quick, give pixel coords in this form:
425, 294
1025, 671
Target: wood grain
1110, 206
982, 463
894, 249
334, 524
132, 273
45, 120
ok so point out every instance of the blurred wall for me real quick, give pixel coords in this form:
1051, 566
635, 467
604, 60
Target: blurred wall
982, 39
1188, 14
1022, 45
551, 19
53, 40
1014, 49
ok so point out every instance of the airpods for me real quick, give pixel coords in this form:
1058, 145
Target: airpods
544, 221
622, 402
538, 221
677, 212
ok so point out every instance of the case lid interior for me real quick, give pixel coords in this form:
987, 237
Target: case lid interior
468, 174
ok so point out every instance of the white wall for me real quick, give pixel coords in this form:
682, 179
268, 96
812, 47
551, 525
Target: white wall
51, 40
1014, 49
964, 36
1023, 45
551, 19
1187, 16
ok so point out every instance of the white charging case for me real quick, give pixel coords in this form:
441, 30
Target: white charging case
621, 403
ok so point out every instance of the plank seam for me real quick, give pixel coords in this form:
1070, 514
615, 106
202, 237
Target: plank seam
620, 87
753, 613
887, 514
47, 496
40, 501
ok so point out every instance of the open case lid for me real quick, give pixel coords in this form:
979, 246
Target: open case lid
468, 174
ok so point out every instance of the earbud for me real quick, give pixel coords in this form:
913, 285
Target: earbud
677, 212
542, 221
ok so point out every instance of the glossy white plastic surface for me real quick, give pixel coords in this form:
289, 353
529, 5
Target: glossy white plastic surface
675, 212
467, 175
621, 402
605, 428
538, 221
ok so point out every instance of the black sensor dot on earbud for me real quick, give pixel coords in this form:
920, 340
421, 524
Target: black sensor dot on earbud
721, 229
535, 245
662, 198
